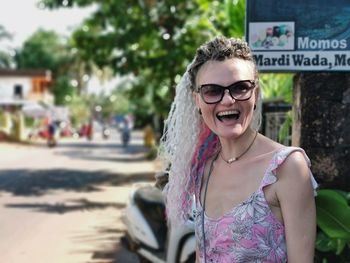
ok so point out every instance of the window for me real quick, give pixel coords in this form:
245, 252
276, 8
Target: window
18, 91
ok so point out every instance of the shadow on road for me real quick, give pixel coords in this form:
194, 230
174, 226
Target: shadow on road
71, 206
131, 148
103, 152
23, 182
108, 157
119, 253
39, 182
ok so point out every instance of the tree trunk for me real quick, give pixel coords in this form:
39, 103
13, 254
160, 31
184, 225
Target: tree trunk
321, 125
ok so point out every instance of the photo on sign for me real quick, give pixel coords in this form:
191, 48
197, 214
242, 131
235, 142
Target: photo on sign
271, 35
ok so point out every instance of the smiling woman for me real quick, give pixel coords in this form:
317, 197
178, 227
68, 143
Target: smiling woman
254, 197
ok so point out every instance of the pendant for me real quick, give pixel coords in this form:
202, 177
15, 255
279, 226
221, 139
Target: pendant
231, 160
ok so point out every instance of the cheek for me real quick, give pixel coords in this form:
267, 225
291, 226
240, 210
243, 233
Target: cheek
208, 115
249, 107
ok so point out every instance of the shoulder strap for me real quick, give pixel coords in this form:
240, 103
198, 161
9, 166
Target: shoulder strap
278, 158
199, 181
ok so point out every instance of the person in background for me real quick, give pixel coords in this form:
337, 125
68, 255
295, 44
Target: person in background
148, 136
254, 197
125, 131
90, 130
51, 137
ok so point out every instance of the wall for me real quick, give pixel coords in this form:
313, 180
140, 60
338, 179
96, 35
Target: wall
7, 85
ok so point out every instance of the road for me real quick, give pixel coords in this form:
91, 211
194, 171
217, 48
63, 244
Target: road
64, 204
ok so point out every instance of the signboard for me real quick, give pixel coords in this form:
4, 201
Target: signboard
299, 35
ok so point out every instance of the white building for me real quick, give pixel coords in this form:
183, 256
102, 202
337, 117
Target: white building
22, 92
19, 87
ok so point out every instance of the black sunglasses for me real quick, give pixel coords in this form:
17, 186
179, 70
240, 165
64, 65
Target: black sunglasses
240, 91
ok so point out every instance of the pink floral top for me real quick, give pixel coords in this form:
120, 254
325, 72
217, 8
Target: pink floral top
249, 232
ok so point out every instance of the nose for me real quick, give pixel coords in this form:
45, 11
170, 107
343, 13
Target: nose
227, 98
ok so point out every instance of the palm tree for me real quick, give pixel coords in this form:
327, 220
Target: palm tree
5, 55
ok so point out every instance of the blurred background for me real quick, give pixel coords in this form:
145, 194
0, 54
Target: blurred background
85, 87
80, 62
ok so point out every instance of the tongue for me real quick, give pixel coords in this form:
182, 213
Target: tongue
231, 117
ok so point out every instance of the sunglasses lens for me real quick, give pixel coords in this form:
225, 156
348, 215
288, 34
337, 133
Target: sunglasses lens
241, 90
211, 93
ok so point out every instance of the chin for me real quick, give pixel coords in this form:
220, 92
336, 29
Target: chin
230, 133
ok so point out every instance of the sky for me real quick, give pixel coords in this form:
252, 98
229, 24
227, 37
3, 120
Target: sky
22, 18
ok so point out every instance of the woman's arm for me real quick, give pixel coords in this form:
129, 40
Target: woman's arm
296, 197
197, 254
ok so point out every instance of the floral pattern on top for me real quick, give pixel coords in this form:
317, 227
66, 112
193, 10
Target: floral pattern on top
249, 232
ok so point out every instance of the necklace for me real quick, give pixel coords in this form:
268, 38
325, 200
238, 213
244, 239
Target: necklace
206, 187
233, 159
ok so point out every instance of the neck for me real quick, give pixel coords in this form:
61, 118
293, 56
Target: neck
233, 148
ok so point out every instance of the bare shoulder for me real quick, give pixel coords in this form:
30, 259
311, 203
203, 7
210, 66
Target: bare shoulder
293, 174
295, 164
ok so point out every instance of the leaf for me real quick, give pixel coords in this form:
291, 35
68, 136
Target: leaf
344, 194
325, 243
333, 214
340, 246
283, 132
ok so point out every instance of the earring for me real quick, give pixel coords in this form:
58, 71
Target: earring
200, 111
254, 106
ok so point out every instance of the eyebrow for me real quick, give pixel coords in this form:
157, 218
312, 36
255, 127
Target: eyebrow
243, 80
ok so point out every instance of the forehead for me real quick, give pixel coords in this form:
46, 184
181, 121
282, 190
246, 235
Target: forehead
225, 72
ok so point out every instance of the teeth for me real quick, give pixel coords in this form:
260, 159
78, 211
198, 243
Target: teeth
224, 113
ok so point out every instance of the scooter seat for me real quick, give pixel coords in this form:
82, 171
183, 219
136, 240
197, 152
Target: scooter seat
149, 196
150, 201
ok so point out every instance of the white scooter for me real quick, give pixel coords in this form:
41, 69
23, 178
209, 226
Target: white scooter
148, 234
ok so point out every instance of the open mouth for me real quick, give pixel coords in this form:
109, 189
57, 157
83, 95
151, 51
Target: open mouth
228, 115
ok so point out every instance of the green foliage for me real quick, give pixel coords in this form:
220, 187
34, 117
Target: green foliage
43, 50
284, 131
2, 118
113, 104
47, 50
29, 122
62, 90
333, 214
333, 221
6, 59
227, 17
4, 34
277, 85
79, 109
152, 40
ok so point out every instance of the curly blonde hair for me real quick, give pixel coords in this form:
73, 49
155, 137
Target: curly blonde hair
219, 49
187, 143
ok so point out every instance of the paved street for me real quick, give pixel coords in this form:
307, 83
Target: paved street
64, 204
